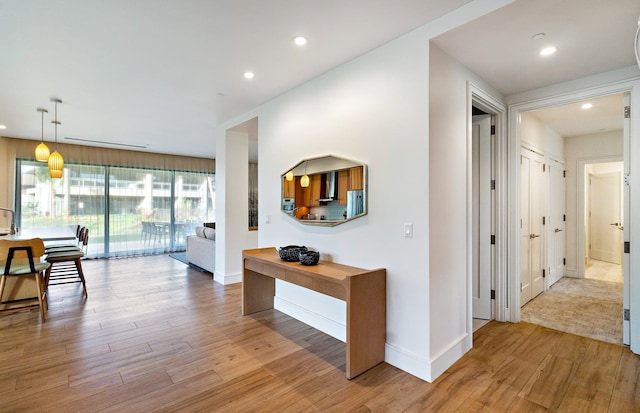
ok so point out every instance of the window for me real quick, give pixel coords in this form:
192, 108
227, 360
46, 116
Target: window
139, 211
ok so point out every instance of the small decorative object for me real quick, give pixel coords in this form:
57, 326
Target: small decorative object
309, 257
291, 253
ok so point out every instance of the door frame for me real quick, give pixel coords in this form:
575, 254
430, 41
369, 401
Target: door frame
580, 208
485, 101
631, 147
481, 192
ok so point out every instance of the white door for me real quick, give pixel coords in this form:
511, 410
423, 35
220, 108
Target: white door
532, 189
606, 217
481, 227
556, 228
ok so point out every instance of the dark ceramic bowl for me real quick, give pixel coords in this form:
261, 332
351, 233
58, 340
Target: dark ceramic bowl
309, 257
291, 253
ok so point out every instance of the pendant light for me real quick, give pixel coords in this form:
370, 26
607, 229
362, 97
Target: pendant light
304, 181
42, 150
289, 176
56, 162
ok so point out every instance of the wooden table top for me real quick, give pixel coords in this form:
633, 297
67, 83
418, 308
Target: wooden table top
323, 268
64, 233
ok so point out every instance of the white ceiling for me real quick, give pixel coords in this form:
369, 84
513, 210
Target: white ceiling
591, 36
605, 115
162, 74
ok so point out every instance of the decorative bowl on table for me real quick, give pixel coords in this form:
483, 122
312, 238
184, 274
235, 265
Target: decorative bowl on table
291, 253
309, 257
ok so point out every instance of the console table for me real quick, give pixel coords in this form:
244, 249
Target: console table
363, 290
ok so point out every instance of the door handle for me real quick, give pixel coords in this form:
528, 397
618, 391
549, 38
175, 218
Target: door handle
532, 236
615, 224
557, 230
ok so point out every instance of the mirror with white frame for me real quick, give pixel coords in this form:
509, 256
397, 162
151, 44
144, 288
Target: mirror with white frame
326, 191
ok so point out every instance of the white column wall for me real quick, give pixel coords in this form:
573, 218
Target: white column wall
449, 278
232, 206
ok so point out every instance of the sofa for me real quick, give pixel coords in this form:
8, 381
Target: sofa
201, 248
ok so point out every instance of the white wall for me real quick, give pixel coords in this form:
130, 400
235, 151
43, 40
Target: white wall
448, 271
599, 145
232, 209
540, 137
375, 109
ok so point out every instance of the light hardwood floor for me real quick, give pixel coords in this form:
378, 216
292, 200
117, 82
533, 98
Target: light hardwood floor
155, 335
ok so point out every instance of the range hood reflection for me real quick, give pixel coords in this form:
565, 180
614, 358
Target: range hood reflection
329, 188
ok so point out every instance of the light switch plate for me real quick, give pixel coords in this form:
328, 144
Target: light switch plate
408, 230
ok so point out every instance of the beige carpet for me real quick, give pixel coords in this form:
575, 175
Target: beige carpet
589, 307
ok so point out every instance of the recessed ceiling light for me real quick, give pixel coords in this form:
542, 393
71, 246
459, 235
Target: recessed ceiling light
538, 36
3, 127
548, 51
248, 75
586, 106
300, 40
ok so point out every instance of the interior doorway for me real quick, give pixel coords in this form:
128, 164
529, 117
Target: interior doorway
592, 234
604, 215
481, 219
485, 197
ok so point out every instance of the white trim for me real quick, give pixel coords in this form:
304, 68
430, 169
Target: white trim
514, 144
440, 363
488, 103
410, 362
425, 369
313, 319
227, 279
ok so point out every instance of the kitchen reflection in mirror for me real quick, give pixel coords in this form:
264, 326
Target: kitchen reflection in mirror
326, 191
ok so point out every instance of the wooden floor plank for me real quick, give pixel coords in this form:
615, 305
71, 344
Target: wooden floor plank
156, 335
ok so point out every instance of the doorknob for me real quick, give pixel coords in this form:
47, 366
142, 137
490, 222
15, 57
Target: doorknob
615, 224
532, 236
557, 230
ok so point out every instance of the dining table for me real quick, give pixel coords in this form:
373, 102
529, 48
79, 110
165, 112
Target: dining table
18, 290
47, 234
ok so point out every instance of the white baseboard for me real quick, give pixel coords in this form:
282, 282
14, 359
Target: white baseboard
422, 368
445, 359
409, 362
315, 320
227, 279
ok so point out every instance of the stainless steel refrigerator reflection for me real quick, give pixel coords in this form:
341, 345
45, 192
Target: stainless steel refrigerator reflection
355, 203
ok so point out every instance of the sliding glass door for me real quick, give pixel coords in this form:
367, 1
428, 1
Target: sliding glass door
129, 211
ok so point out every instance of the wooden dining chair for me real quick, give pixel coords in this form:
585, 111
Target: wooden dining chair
21, 259
65, 265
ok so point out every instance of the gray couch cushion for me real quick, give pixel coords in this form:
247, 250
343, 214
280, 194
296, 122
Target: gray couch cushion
210, 233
